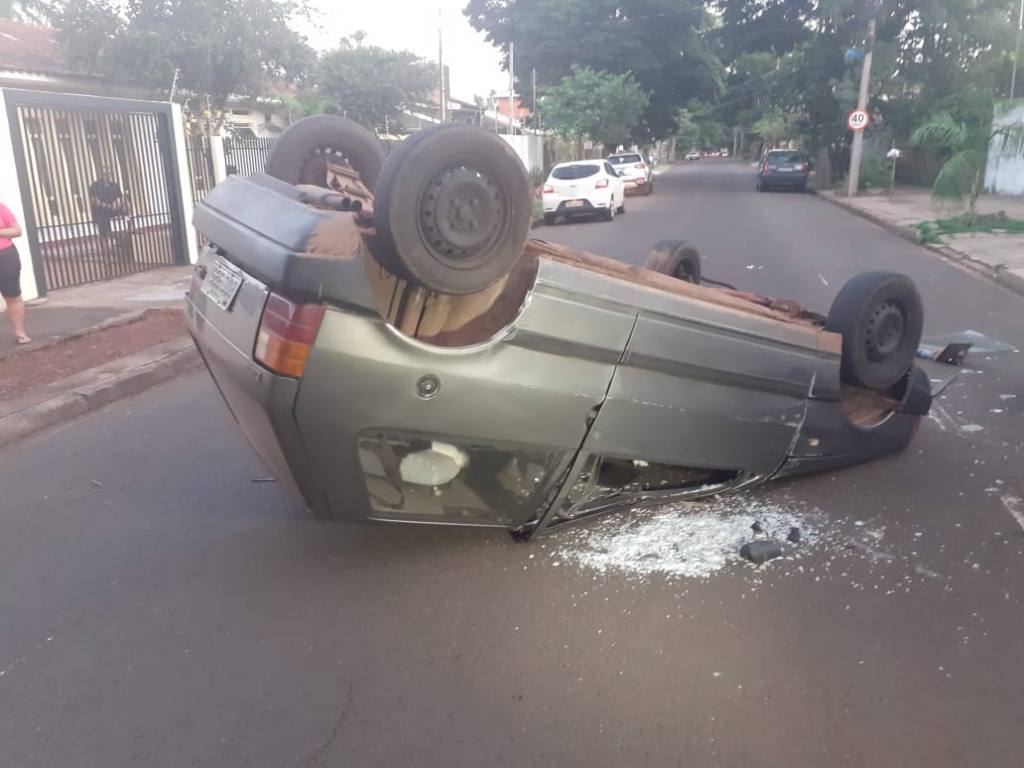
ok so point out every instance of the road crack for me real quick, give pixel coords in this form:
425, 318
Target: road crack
318, 754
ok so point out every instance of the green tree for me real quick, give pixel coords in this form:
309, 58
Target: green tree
219, 48
967, 148
688, 132
663, 43
758, 26
774, 127
595, 105
372, 85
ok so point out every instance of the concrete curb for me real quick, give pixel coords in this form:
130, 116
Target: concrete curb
1001, 276
98, 387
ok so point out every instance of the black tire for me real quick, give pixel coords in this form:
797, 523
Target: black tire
880, 317
452, 209
300, 154
622, 208
549, 219
676, 258
760, 186
609, 212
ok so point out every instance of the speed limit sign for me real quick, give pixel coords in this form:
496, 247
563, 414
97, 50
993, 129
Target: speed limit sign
858, 120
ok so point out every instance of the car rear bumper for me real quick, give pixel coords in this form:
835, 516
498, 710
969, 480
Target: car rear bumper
262, 403
783, 180
565, 206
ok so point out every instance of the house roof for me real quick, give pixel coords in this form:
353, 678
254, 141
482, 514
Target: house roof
29, 48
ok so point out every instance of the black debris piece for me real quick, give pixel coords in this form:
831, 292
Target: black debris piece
757, 528
759, 552
794, 535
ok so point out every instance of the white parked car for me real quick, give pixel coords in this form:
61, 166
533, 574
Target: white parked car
635, 173
694, 155
583, 187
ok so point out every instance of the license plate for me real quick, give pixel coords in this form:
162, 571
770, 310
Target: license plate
574, 204
222, 283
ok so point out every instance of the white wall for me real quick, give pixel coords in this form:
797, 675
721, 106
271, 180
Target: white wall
264, 123
1005, 172
530, 149
10, 195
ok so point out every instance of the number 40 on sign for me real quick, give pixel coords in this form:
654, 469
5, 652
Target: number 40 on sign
857, 120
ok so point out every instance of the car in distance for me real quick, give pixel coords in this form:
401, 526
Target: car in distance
583, 187
636, 175
409, 355
693, 155
783, 169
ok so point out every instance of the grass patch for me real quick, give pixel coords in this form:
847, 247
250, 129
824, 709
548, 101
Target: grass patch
933, 231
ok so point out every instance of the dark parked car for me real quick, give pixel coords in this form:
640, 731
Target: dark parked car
407, 355
783, 169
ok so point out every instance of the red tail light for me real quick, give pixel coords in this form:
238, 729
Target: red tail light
764, 168
547, 189
601, 184
287, 332
641, 166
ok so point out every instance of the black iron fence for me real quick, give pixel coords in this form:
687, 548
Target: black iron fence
246, 156
200, 165
99, 187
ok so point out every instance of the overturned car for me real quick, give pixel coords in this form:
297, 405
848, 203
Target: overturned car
406, 354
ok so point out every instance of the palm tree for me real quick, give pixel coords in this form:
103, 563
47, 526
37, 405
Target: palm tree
968, 146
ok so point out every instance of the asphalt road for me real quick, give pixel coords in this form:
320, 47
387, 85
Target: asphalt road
161, 606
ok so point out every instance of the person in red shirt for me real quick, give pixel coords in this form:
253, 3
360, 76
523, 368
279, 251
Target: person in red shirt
10, 273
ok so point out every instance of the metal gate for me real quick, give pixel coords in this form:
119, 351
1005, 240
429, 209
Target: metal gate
100, 182
246, 157
202, 176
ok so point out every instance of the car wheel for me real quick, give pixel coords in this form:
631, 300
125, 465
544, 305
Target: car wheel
452, 209
880, 317
301, 152
760, 186
802, 189
622, 206
549, 219
609, 213
675, 258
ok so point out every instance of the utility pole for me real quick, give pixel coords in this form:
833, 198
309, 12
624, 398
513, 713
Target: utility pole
1016, 52
511, 83
440, 70
536, 113
857, 150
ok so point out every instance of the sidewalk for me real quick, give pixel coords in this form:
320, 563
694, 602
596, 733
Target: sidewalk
72, 311
998, 255
92, 345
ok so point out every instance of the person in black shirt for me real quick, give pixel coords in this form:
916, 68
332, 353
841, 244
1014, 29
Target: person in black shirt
107, 202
